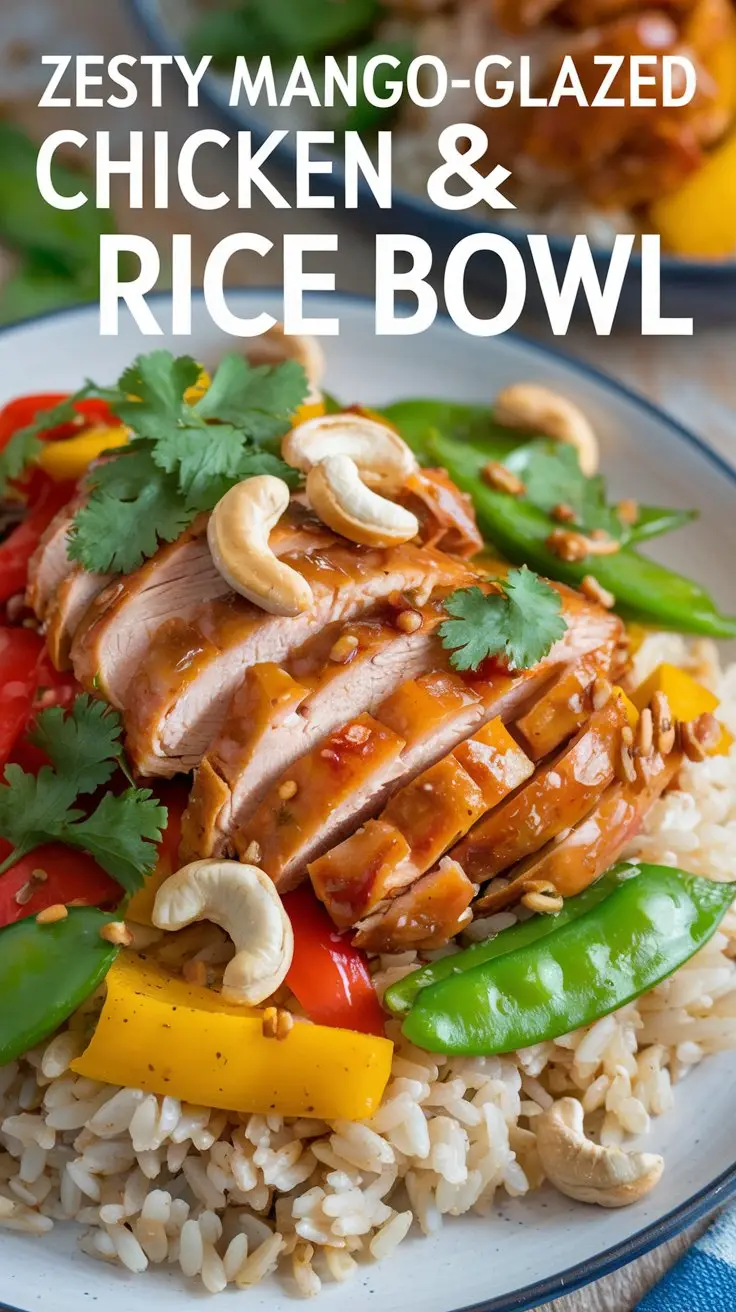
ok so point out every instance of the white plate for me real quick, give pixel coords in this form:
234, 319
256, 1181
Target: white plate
525, 1251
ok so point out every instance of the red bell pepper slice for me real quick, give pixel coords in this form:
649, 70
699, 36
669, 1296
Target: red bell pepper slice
19, 546
327, 974
26, 409
21, 653
71, 876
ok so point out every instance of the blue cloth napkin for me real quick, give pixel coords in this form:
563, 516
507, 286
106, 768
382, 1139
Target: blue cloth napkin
704, 1280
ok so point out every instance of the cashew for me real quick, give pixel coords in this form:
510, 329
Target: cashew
539, 409
238, 533
383, 458
582, 1169
337, 494
243, 901
276, 346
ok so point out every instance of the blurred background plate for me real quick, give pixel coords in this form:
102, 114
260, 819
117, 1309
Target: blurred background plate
701, 289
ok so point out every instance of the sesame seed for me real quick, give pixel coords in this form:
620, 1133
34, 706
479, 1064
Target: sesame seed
409, 621
502, 479
563, 513
628, 511
195, 972
253, 852
269, 1023
344, 649
24, 894
600, 693
288, 789
594, 591
117, 933
51, 914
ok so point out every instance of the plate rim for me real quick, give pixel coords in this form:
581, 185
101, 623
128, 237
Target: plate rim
679, 269
719, 1190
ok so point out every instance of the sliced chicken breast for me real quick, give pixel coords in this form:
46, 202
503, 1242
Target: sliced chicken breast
427, 915
73, 597
424, 818
565, 706
558, 796
188, 677
50, 563
592, 846
279, 713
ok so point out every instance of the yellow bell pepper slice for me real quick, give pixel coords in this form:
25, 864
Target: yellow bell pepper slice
687, 698
312, 408
70, 457
165, 1036
195, 393
699, 220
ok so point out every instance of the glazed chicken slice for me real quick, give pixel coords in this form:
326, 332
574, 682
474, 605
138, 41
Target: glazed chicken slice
419, 824
427, 915
73, 597
118, 627
592, 846
187, 679
559, 795
432, 714
564, 707
280, 712
50, 563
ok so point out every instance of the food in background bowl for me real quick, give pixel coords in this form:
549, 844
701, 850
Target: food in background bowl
446, 778
599, 170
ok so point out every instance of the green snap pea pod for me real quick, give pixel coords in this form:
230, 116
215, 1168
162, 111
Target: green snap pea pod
654, 521
400, 997
644, 590
419, 421
648, 927
46, 971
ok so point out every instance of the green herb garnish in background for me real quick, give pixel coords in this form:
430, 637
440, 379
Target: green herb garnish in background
519, 623
57, 250
84, 749
283, 29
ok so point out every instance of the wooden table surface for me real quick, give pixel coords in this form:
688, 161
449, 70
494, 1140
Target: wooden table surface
695, 378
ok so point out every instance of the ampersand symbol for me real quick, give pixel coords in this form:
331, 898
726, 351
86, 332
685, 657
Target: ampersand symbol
481, 186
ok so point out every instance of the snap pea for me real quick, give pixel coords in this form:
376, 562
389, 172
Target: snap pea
400, 997
419, 421
654, 521
46, 971
648, 927
644, 590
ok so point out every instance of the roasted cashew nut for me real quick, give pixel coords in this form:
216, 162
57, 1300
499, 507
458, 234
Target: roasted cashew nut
383, 458
340, 498
243, 901
238, 533
276, 346
540, 410
582, 1169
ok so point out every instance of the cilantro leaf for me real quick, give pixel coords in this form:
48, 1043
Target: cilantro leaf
199, 455
121, 834
519, 624
84, 746
25, 445
152, 392
33, 809
259, 399
551, 474
110, 535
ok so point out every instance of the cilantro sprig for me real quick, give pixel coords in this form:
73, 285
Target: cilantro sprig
84, 750
519, 623
182, 457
